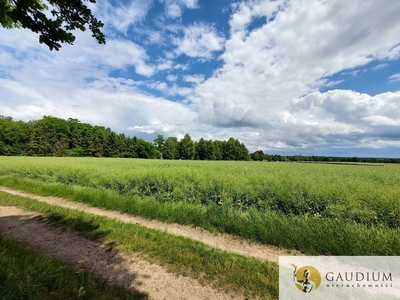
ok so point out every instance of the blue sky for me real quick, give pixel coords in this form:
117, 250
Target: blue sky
310, 77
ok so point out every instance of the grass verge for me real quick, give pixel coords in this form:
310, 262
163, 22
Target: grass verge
27, 274
181, 255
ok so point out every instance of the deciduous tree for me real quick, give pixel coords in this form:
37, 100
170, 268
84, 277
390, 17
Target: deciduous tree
186, 147
171, 150
54, 21
258, 155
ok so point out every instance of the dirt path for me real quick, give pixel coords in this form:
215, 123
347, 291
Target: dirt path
220, 241
153, 281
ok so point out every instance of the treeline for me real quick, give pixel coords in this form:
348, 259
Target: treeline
53, 136
260, 156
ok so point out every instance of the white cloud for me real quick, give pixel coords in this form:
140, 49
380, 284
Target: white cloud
74, 82
245, 12
122, 16
266, 94
342, 116
199, 40
269, 69
395, 77
181, 91
20, 39
382, 121
183, 67
194, 78
161, 86
120, 54
154, 37
18, 88
157, 128
174, 8
171, 77
353, 73
242, 17
114, 103
164, 65
380, 66
173, 90
84, 56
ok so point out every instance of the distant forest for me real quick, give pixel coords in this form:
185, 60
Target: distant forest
53, 136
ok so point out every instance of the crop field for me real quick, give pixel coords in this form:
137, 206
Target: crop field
315, 208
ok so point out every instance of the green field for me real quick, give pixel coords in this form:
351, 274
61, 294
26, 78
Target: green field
315, 208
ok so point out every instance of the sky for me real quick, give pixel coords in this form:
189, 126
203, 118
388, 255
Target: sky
307, 77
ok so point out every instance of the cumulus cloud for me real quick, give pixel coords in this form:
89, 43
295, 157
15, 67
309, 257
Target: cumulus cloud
173, 90
246, 12
120, 54
274, 60
156, 128
194, 78
84, 57
174, 8
242, 17
230, 114
382, 121
345, 116
268, 70
177, 90
164, 65
110, 102
183, 67
199, 40
171, 77
75, 82
161, 86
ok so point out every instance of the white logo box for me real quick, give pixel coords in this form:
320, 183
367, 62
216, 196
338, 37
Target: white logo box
339, 277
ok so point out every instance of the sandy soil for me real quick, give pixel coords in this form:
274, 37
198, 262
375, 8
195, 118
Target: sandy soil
220, 241
153, 281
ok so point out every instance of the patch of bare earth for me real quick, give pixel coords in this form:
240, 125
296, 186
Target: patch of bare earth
153, 281
220, 241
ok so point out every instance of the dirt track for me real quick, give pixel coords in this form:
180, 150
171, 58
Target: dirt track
130, 272
220, 241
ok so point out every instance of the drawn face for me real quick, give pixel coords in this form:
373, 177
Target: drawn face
306, 274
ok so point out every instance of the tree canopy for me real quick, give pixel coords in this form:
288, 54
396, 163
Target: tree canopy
54, 28
53, 136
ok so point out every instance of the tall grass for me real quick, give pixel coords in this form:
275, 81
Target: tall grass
328, 209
